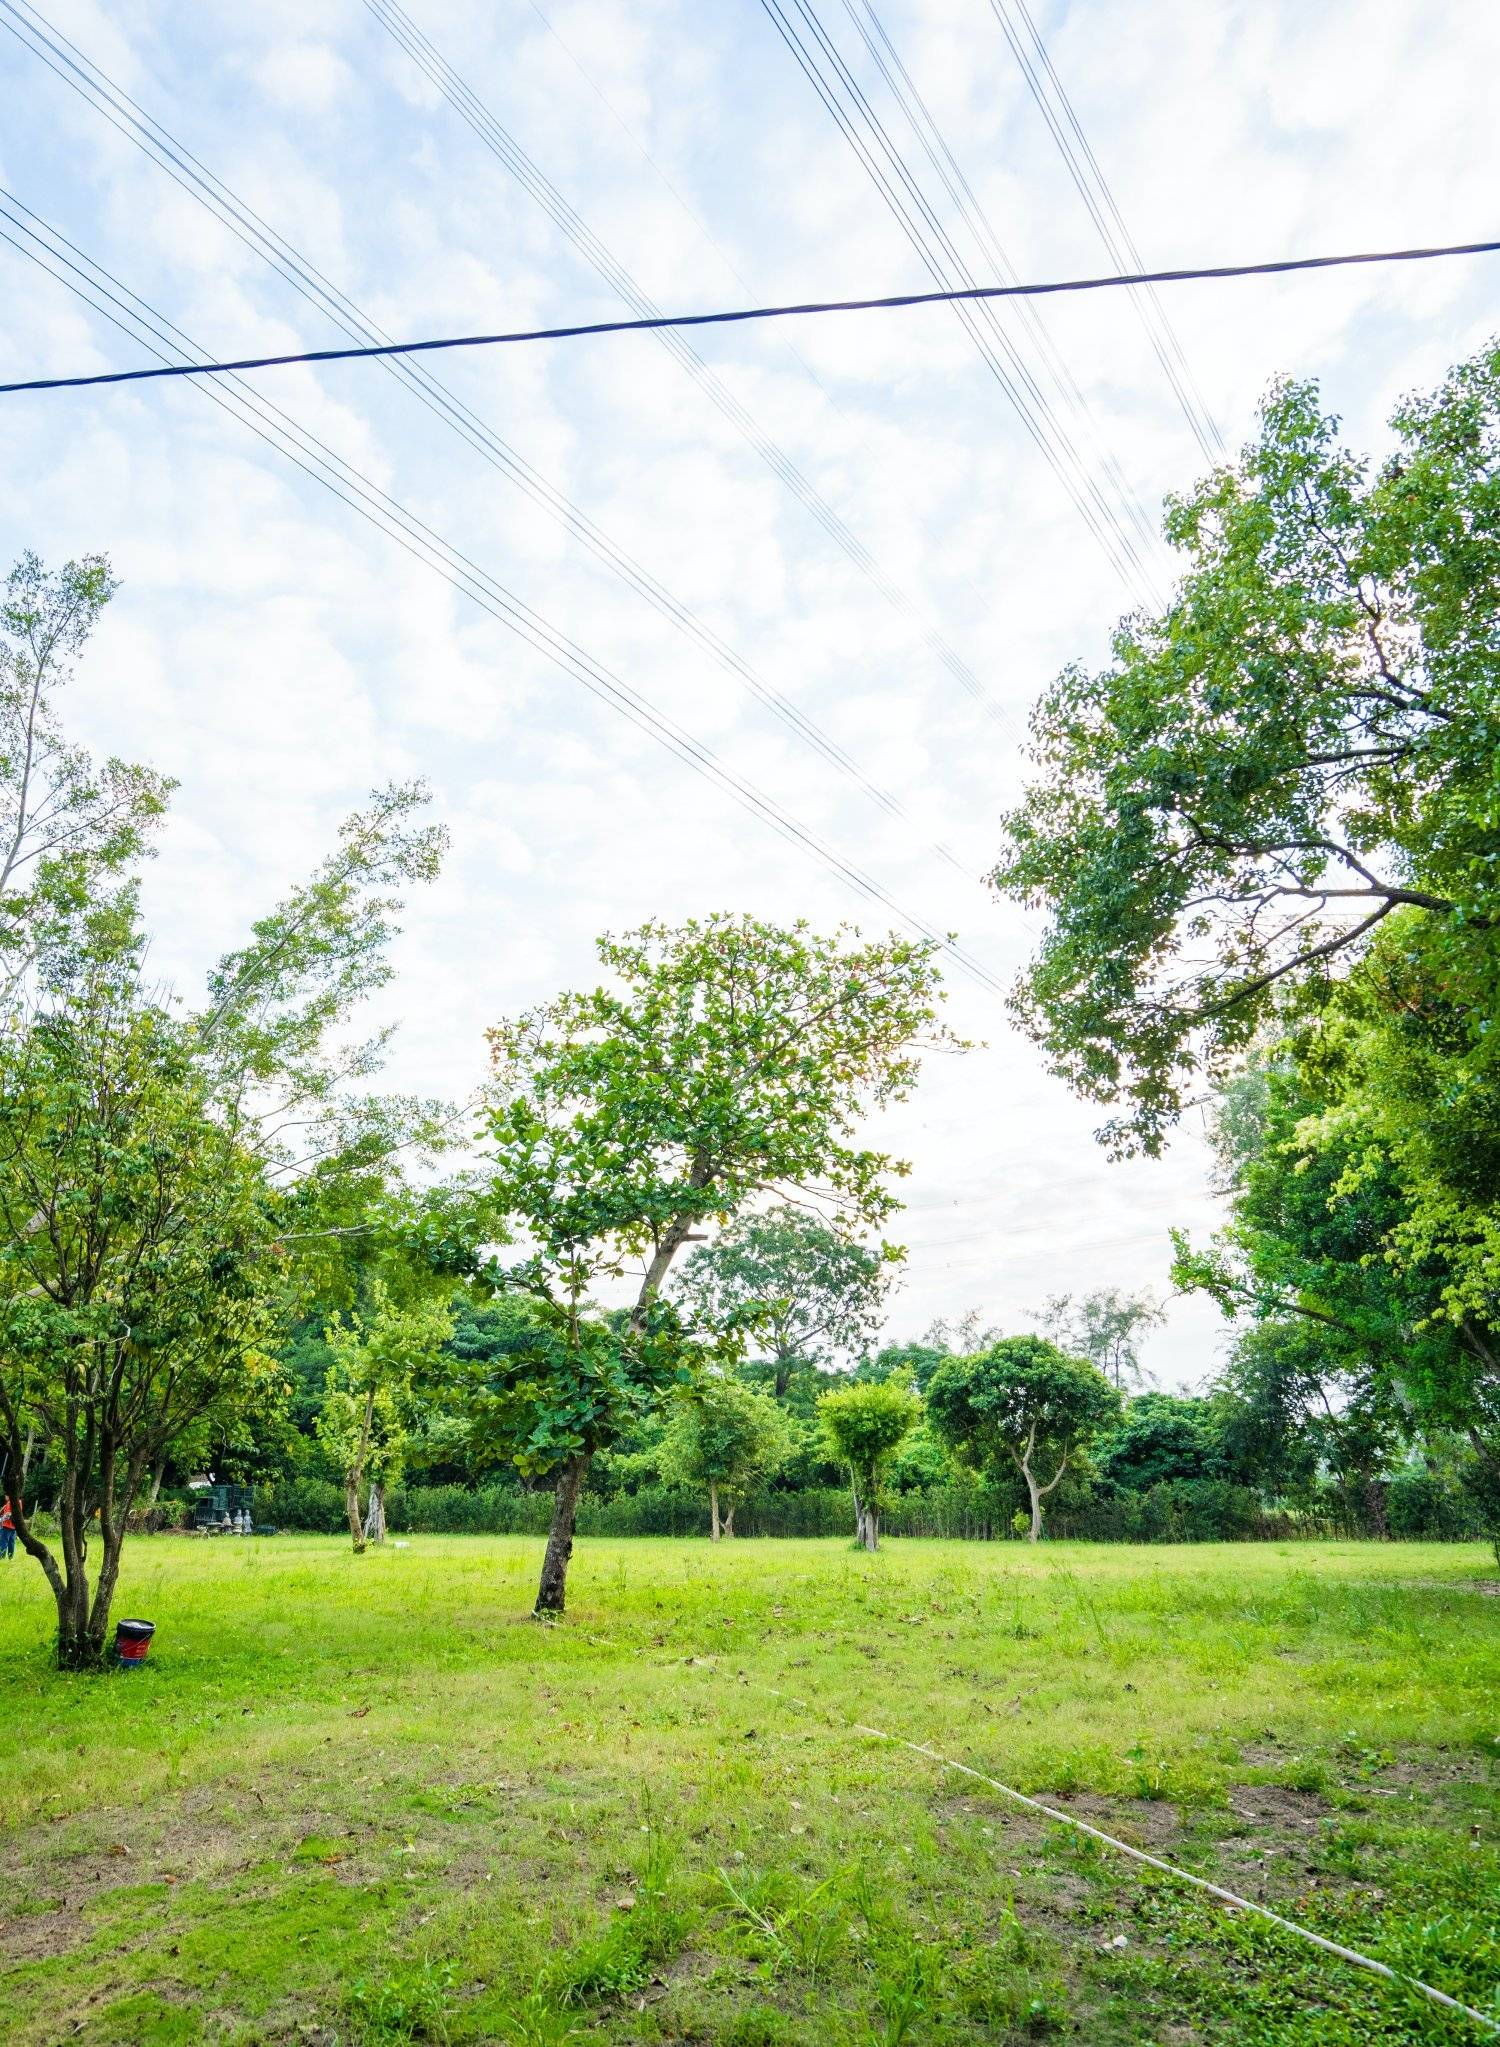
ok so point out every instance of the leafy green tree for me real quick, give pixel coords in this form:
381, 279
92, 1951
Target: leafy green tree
1105, 1327
1162, 1438
726, 1436
168, 1177
1022, 1402
917, 1360
381, 1359
1301, 746
728, 1060
866, 1426
66, 826
819, 1293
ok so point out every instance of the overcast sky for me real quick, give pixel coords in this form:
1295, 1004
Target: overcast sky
854, 509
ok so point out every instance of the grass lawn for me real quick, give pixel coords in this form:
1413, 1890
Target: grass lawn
367, 1800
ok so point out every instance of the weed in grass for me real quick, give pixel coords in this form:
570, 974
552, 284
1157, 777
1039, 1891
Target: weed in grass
412, 2003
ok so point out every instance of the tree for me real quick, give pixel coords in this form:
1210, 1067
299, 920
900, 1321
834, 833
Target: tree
865, 1426
1163, 1438
380, 1360
166, 1174
726, 1436
1362, 1154
819, 1292
1024, 1402
729, 1061
1299, 748
65, 825
1104, 1327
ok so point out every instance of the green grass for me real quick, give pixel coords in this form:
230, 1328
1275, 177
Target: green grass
358, 1801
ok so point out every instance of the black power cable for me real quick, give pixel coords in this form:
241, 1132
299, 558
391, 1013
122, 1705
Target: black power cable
130, 119
787, 312
135, 317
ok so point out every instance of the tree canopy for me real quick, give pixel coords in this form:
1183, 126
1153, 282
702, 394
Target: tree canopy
1298, 748
865, 1425
728, 1059
1022, 1402
816, 1293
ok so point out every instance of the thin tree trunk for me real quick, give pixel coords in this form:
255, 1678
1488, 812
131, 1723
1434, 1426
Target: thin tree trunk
1036, 1492
552, 1592
375, 1512
354, 1476
713, 1510
729, 1519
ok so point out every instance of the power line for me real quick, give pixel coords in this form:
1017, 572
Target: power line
904, 89
130, 119
1093, 188
891, 302
897, 185
135, 317
503, 146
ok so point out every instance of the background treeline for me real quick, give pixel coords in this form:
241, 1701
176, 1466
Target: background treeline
1240, 1462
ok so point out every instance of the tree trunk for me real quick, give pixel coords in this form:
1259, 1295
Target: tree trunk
713, 1511
866, 1523
375, 1512
729, 1519
552, 1592
354, 1476
1036, 1492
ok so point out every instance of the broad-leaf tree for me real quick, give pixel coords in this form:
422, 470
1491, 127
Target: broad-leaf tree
382, 1356
865, 1426
66, 825
725, 1437
820, 1293
1024, 1403
164, 1175
727, 1061
1299, 747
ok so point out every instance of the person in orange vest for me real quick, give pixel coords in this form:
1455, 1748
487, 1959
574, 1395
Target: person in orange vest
7, 1531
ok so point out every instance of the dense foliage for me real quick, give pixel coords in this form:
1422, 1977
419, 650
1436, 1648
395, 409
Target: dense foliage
1301, 746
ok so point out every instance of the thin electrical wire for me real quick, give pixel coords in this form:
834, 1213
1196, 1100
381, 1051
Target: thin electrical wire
325, 466
864, 131
503, 146
1093, 187
125, 114
970, 209
713, 242
890, 302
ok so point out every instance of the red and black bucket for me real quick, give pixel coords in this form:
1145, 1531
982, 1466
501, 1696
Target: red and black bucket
132, 1640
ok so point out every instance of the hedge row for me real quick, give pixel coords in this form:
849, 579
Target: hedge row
1419, 1506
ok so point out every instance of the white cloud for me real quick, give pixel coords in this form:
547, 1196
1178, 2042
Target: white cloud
280, 656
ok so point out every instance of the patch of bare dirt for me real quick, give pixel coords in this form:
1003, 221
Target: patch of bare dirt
1150, 1823
1276, 1805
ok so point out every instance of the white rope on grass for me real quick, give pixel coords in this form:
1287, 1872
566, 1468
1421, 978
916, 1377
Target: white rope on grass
1186, 1876
1067, 1819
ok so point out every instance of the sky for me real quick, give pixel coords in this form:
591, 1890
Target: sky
869, 522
